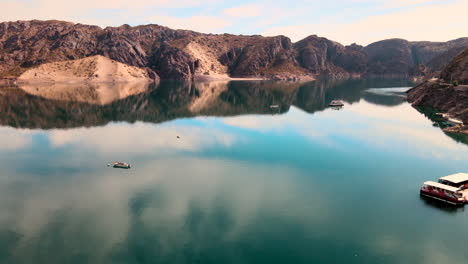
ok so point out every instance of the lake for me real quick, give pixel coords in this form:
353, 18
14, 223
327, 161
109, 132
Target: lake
219, 176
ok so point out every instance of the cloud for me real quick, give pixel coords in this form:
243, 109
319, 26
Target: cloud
99, 12
361, 21
250, 10
205, 24
416, 23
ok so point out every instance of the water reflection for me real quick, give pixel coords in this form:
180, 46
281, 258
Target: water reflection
438, 121
91, 93
251, 186
441, 206
93, 106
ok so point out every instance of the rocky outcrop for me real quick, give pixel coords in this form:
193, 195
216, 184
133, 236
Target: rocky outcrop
26, 44
392, 57
183, 54
173, 63
444, 96
457, 69
323, 56
399, 57
389, 57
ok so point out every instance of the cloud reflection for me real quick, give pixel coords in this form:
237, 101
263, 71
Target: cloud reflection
14, 139
162, 197
392, 129
141, 138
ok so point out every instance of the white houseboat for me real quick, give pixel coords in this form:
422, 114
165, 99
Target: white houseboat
459, 180
442, 192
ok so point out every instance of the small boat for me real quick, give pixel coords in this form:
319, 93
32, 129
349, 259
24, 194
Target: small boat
274, 106
445, 193
455, 122
336, 103
120, 165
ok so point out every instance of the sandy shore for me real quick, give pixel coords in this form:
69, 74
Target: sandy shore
96, 69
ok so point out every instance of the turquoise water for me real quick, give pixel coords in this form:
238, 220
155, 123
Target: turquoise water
243, 183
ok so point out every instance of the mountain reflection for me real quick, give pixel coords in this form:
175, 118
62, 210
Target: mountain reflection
70, 106
91, 93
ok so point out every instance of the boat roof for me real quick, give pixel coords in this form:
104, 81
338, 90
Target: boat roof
456, 178
442, 186
454, 120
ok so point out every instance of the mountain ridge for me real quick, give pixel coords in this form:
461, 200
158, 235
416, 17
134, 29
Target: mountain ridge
186, 54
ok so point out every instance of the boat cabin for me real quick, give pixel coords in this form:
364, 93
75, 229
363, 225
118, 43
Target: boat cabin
442, 192
336, 103
459, 180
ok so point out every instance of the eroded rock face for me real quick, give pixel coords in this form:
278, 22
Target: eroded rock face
134, 45
323, 56
262, 56
457, 69
403, 58
392, 57
25, 44
183, 54
172, 63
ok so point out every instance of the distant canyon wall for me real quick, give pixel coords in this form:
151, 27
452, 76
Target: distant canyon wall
184, 54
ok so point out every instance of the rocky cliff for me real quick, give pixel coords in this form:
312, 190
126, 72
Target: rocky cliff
443, 95
183, 54
457, 69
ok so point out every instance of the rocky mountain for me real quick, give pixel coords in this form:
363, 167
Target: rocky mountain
323, 56
183, 54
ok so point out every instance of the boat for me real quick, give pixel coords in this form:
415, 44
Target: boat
455, 122
459, 180
445, 193
120, 165
274, 106
336, 103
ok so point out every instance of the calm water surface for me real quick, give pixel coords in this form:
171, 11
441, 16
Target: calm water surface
244, 183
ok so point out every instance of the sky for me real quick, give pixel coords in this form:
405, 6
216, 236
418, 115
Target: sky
345, 21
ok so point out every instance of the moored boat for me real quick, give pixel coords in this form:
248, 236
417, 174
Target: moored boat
459, 180
445, 193
336, 103
455, 122
121, 165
